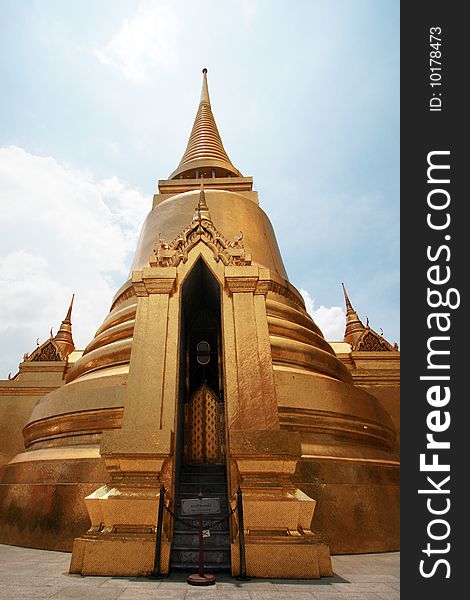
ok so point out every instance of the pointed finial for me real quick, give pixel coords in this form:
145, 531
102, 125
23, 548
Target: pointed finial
202, 210
202, 196
354, 326
68, 316
63, 337
205, 89
349, 307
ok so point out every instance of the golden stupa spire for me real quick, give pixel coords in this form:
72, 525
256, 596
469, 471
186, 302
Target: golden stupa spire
354, 325
205, 154
63, 337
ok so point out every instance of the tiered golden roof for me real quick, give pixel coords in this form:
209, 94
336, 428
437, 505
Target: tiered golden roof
205, 155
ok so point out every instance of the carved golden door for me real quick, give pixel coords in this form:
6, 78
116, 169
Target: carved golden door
204, 431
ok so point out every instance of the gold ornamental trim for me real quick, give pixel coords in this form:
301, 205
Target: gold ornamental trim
315, 421
114, 333
201, 229
377, 461
126, 294
281, 290
382, 378
83, 423
57, 454
27, 391
154, 280
114, 353
241, 284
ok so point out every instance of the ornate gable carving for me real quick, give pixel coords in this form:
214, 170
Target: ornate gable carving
370, 341
201, 229
46, 352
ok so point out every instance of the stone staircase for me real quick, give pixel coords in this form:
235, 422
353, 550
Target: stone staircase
211, 480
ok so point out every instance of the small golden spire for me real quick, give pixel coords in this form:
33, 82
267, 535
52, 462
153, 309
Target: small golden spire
63, 337
205, 151
68, 316
202, 210
354, 326
349, 307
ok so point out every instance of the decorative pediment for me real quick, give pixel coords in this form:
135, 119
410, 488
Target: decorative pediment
370, 341
201, 229
48, 351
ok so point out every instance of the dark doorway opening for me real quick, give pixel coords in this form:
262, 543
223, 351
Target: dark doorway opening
201, 442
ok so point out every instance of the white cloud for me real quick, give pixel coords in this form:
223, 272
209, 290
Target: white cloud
61, 232
309, 301
331, 320
144, 43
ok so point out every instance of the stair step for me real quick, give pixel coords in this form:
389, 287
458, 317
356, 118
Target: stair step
202, 467
212, 482
218, 528
215, 482
195, 518
191, 556
206, 493
207, 549
208, 567
195, 480
216, 538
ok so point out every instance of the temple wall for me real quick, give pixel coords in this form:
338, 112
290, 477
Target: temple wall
36, 511
15, 410
18, 396
357, 503
379, 374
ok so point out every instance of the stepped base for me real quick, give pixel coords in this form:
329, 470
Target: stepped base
118, 555
219, 568
281, 557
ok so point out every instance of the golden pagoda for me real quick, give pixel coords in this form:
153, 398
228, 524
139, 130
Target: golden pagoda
207, 371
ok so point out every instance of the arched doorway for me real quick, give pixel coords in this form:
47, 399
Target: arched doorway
201, 441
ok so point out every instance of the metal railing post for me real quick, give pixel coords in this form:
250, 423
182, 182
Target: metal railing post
156, 573
241, 536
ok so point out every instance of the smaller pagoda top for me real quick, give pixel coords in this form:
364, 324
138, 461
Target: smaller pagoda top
360, 336
58, 347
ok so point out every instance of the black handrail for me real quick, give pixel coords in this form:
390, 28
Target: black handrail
156, 573
241, 536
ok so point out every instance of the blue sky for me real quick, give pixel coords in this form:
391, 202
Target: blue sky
97, 102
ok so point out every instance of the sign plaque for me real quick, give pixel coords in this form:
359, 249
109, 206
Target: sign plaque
200, 506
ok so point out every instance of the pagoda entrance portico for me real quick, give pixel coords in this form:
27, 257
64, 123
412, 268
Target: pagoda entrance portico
202, 421
201, 443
